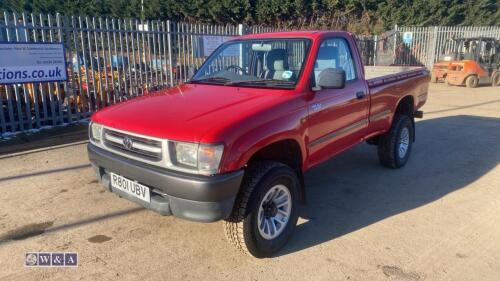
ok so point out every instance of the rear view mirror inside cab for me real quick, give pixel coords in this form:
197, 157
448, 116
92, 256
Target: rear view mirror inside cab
261, 47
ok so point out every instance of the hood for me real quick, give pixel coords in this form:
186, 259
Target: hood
189, 111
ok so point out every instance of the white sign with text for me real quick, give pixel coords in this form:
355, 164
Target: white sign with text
32, 62
210, 43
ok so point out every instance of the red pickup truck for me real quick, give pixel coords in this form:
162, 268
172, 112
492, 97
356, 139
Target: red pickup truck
234, 142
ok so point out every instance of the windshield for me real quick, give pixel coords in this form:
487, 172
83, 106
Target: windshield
275, 63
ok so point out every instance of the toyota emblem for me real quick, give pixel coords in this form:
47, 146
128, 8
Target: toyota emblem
127, 143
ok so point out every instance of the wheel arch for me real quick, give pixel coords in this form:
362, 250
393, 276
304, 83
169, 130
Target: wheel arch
287, 151
406, 106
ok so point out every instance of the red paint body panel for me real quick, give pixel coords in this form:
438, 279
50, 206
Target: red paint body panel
190, 112
247, 119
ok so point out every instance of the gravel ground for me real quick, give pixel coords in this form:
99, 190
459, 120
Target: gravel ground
435, 219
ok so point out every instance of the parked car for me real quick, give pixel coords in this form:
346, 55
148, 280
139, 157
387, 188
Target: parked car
234, 142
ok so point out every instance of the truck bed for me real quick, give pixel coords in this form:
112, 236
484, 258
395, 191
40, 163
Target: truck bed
380, 75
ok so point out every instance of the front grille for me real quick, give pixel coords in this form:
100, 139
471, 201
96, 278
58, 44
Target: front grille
133, 145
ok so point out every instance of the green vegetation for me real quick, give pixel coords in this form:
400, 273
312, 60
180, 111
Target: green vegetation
357, 15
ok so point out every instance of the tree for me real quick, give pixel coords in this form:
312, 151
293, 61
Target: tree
362, 16
481, 12
15, 5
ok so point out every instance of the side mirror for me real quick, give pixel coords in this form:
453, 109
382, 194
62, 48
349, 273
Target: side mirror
330, 78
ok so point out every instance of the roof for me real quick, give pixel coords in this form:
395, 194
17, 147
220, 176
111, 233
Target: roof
291, 34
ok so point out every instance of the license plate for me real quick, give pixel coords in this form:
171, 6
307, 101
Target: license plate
131, 187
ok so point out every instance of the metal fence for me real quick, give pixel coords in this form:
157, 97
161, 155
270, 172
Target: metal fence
108, 61
423, 45
111, 60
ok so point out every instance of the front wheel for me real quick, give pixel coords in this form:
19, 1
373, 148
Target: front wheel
394, 147
266, 210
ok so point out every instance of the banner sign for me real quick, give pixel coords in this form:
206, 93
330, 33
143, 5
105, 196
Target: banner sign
32, 62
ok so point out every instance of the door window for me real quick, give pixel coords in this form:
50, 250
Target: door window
335, 53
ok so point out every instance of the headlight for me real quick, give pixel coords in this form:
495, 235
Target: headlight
95, 131
186, 153
203, 157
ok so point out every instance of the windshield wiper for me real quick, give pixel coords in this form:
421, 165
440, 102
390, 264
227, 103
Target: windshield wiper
227, 81
266, 81
216, 79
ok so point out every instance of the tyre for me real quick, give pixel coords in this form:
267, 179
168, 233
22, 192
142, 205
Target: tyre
434, 79
266, 209
394, 147
495, 79
471, 81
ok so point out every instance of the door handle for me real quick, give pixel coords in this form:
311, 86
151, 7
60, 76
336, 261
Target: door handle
360, 95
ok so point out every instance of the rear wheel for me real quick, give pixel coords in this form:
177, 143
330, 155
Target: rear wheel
472, 81
394, 147
495, 79
266, 210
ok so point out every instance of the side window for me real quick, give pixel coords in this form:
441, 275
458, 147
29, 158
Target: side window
335, 53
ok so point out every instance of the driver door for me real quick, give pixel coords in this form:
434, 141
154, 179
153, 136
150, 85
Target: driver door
338, 118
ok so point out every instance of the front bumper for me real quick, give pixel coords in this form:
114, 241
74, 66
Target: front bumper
192, 197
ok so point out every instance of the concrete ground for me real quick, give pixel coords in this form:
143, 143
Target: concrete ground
435, 219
